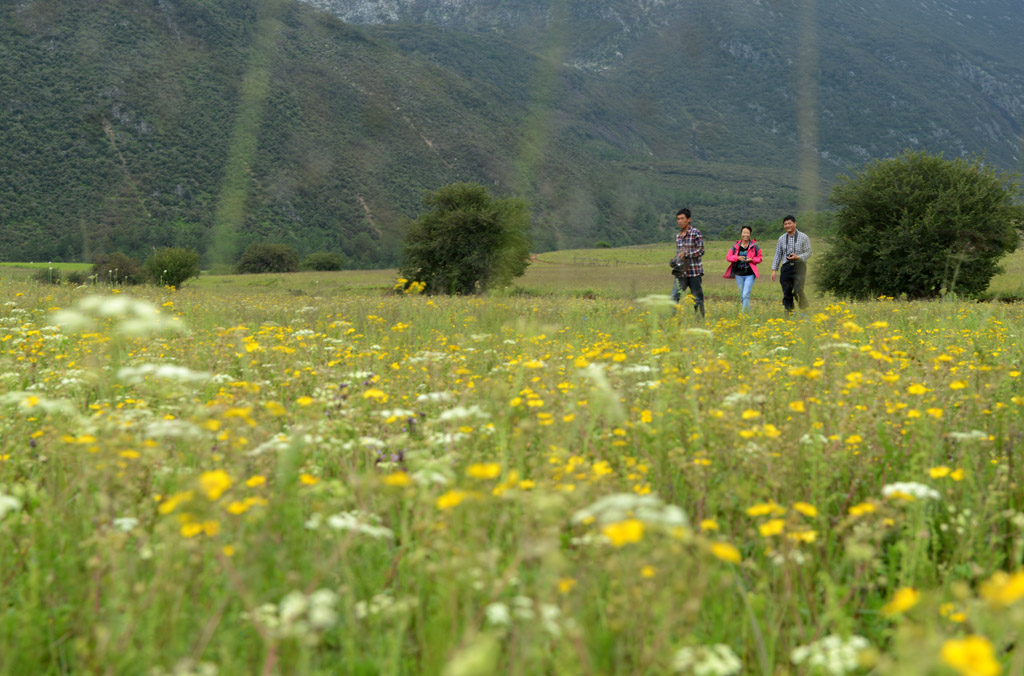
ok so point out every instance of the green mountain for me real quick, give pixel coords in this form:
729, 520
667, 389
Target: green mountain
131, 125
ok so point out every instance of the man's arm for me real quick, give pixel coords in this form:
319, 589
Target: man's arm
805, 250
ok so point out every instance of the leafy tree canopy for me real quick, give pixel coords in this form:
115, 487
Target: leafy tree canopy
173, 266
921, 225
264, 257
468, 241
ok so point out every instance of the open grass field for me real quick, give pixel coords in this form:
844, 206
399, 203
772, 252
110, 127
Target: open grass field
305, 474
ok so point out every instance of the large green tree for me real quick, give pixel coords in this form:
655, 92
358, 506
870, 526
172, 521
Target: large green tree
920, 225
468, 241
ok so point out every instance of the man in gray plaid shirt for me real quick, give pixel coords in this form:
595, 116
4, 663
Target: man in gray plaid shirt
686, 266
791, 253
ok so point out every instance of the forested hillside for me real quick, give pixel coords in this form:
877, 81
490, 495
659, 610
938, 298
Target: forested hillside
129, 125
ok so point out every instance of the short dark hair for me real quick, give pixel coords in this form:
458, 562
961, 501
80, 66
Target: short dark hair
789, 218
747, 227
683, 212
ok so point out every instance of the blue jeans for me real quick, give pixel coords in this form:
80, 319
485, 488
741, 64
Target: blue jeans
694, 286
745, 284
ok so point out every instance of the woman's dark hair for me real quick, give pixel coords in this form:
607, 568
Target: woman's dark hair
747, 227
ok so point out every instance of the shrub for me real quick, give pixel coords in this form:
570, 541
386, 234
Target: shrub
468, 241
117, 268
77, 277
323, 260
920, 225
173, 266
49, 275
263, 257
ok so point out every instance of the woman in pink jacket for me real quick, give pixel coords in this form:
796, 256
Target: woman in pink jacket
743, 258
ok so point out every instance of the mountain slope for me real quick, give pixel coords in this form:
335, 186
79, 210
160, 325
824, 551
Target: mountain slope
724, 80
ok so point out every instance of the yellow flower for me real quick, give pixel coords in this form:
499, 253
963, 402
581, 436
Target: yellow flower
971, 656
624, 532
853, 440
917, 388
750, 414
766, 508
171, 503
708, 524
797, 406
451, 499
308, 479
949, 611
957, 385
938, 472
806, 509
306, 401
1003, 589
648, 571
215, 483
726, 552
903, 600
566, 584
805, 536
957, 475
481, 470
934, 412
397, 479
256, 480
773, 527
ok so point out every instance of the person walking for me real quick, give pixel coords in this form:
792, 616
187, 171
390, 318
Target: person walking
791, 254
687, 267
743, 258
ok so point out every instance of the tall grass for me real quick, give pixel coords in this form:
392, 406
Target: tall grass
243, 480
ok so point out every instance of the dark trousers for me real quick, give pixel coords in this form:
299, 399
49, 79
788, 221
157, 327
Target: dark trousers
792, 279
693, 284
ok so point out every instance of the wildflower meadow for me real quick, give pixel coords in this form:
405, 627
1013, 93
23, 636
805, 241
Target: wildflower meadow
248, 481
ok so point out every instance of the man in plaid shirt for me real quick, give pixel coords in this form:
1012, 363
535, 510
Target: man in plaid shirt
686, 266
791, 254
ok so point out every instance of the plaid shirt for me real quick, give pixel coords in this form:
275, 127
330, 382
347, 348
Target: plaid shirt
799, 243
689, 249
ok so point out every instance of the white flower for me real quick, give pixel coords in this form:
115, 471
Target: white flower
360, 522
138, 374
8, 503
133, 317
839, 346
911, 488
498, 614
833, 654
657, 301
621, 506
707, 660
397, 413
172, 429
462, 413
434, 397
973, 435
125, 523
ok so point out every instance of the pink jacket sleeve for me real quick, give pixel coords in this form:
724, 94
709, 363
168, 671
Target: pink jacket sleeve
732, 256
757, 257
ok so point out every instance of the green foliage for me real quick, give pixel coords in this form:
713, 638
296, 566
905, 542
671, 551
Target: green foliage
173, 266
324, 261
48, 276
264, 257
117, 268
469, 241
920, 225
